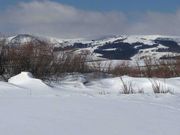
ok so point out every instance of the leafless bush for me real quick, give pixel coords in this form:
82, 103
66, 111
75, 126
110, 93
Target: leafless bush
69, 63
139, 70
127, 88
121, 69
29, 57
176, 67
157, 68
148, 69
40, 60
164, 69
2, 70
125, 68
159, 87
99, 66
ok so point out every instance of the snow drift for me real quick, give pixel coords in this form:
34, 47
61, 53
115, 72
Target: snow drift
76, 108
26, 81
81, 84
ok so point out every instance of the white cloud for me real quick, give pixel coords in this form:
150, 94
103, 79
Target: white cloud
55, 19
51, 18
157, 23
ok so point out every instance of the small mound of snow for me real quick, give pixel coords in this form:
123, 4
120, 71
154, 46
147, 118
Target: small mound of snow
21, 78
26, 80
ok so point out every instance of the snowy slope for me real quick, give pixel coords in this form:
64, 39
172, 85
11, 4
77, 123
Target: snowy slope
81, 84
90, 116
75, 107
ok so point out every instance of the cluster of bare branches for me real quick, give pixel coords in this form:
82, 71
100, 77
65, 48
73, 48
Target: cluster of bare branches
160, 87
127, 88
151, 68
39, 59
67, 62
29, 57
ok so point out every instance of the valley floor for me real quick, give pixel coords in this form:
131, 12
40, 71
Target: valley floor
30, 107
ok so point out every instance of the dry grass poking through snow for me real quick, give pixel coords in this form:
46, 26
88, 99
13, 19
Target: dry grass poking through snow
127, 88
158, 87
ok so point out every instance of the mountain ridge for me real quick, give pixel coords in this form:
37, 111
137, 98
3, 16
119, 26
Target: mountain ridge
121, 47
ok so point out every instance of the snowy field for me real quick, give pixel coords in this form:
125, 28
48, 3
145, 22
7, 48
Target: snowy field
78, 106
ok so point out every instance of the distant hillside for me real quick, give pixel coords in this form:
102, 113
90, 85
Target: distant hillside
115, 48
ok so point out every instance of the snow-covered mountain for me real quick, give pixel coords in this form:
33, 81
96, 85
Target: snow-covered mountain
116, 47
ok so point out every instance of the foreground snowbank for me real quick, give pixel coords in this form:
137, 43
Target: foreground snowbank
82, 115
11, 89
115, 86
138, 85
24, 83
31, 85
75, 108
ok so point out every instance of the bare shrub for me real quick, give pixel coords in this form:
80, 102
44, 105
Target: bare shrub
139, 69
29, 57
125, 68
127, 88
99, 66
148, 69
158, 68
2, 69
120, 69
176, 67
158, 87
39, 59
69, 63
164, 69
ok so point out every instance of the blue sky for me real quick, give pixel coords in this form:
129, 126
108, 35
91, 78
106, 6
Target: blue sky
110, 5
90, 18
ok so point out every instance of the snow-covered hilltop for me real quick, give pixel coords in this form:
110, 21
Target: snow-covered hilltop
115, 48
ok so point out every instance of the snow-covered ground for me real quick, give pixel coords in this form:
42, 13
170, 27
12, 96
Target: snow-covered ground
79, 105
